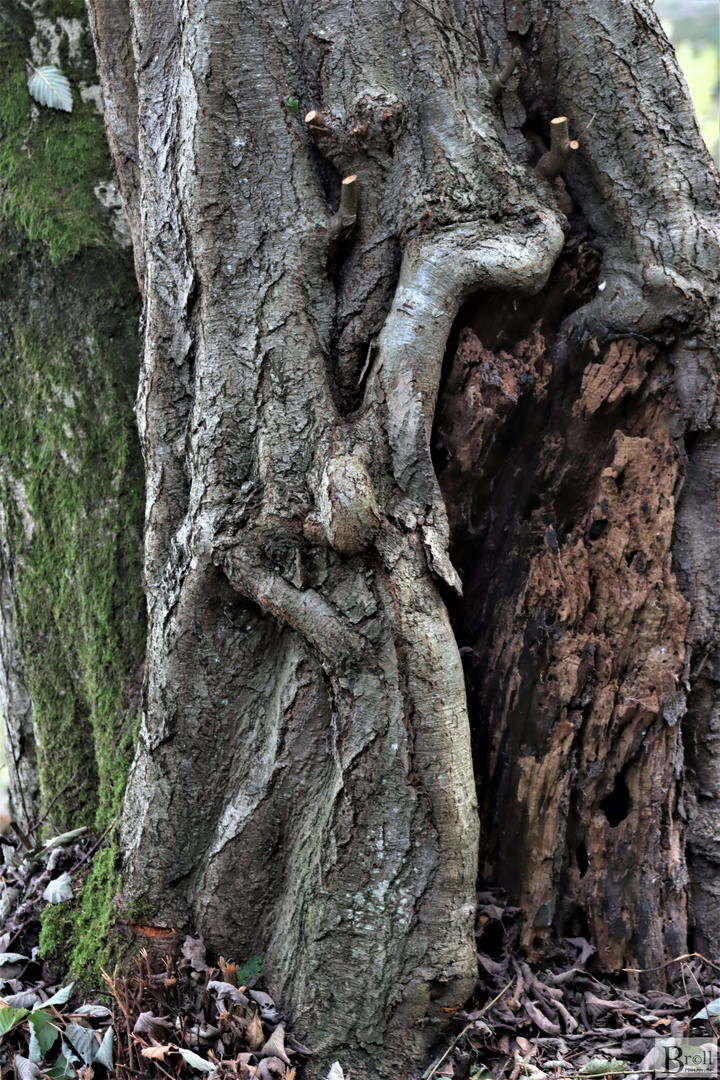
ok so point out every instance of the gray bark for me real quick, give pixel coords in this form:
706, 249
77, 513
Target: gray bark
16, 705
303, 784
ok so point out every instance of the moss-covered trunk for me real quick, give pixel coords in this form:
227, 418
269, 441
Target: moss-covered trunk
71, 481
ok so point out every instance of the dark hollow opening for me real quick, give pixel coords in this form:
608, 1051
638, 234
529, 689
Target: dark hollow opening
616, 805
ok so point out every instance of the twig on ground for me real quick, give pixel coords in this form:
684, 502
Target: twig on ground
485, 1009
93, 849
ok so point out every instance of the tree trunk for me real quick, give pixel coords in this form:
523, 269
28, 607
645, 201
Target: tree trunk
303, 784
72, 628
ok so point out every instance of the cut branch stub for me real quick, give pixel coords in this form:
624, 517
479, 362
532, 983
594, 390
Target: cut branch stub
324, 133
561, 150
348, 202
343, 222
317, 124
499, 81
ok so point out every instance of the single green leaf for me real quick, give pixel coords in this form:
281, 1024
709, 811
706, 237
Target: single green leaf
195, 1061
10, 1018
27, 999
61, 1070
45, 1031
49, 87
68, 1052
7, 902
60, 997
34, 1053
105, 1053
293, 104
58, 841
99, 1011
58, 890
713, 1009
84, 1040
41, 850
602, 1067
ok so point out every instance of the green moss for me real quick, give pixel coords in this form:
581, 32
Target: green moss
71, 476
57, 934
68, 366
50, 161
84, 939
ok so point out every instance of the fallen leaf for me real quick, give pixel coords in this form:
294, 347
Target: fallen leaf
156, 1053
10, 1018
59, 890
541, 1020
146, 1020
271, 1069
44, 1034
602, 1067
194, 951
713, 1009
99, 1011
26, 1069
275, 1046
60, 997
195, 1061
336, 1072
225, 989
295, 1044
105, 1052
84, 1040
254, 1035
267, 1006
28, 999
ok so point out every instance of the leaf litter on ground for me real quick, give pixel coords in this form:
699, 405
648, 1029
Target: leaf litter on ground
182, 1016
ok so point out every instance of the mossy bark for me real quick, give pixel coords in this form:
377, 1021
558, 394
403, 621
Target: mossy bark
71, 478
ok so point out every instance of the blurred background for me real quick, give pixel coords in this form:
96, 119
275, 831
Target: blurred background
693, 26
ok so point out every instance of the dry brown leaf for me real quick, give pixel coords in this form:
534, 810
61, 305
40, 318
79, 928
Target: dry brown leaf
146, 1022
229, 971
271, 1068
194, 951
541, 1020
290, 1074
275, 1046
157, 1053
254, 1034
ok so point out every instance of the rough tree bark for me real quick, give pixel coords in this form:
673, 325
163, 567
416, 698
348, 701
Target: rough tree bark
303, 784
